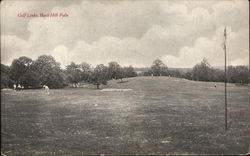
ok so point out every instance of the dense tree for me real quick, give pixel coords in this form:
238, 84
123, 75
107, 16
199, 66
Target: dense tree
100, 75
242, 74
113, 69
202, 71
159, 68
147, 72
176, 73
22, 71
49, 71
216, 75
188, 75
85, 71
120, 73
238, 74
231, 74
129, 72
73, 72
6, 82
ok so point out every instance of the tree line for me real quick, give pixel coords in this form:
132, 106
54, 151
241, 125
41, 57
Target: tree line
202, 71
45, 70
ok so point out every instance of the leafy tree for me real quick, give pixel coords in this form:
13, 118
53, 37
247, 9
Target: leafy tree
113, 69
6, 82
238, 74
202, 71
86, 71
100, 75
242, 74
73, 72
217, 75
159, 68
129, 72
22, 71
120, 73
148, 72
188, 75
231, 74
176, 73
49, 71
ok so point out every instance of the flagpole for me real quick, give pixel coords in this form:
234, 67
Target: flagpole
225, 49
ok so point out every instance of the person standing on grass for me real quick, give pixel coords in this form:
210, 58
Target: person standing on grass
215, 86
22, 87
14, 86
18, 87
46, 88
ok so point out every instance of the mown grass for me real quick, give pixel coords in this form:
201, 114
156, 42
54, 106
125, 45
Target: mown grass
160, 115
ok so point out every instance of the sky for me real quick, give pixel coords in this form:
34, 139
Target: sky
180, 33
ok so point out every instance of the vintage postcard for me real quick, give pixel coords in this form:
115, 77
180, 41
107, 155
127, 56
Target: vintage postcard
125, 77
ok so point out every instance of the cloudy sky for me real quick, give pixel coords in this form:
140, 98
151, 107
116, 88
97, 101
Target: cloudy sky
134, 33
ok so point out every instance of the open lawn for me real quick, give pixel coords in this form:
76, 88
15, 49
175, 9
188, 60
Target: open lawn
158, 115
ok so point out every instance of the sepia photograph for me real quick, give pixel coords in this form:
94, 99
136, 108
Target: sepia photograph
125, 77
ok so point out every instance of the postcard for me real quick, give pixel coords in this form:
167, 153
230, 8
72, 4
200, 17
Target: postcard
125, 77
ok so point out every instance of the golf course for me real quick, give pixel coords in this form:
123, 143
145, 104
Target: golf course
142, 115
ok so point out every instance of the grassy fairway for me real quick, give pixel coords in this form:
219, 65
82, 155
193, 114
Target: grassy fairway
160, 115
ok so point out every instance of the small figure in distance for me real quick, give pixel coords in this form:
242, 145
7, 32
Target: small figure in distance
14, 87
22, 87
46, 88
18, 88
215, 86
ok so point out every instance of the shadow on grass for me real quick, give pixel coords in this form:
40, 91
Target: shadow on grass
122, 81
